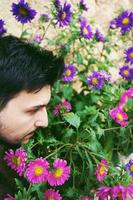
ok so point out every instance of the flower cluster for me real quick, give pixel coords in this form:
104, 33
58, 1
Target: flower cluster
117, 113
37, 171
119, 192
97, 79
116, 191
63, 107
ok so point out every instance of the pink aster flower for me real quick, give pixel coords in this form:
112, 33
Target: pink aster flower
51, 194
56, 110
119, 116
67, 105
130, 190
60, 174
103, 193
37, 171
63, 107
9, 197
85, 198
101, 170
16, 160
119, 192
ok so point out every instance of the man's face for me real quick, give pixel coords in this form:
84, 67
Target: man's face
23, 115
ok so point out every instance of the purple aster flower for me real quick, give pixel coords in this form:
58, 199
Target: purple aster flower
22, 12
99, 36
44, 18
119, 191
125, 21
38, 38
16, 160
2, 29
57, 4
85, 29
105, 75
95, 80
103, 193
69, 73
126, 72
51, 194
129, 55
64, 15
82, 5
129, 167
112, 24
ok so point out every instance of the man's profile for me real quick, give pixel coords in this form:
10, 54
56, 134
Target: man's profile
26, 76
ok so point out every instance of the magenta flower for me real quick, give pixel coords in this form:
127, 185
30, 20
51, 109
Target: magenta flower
85, 198
119, 116
37, 171
63, 107
51, 194
60, 174
16, 160
130, 190
101, 170
69, 73
103, 193
67, 105
119, 192
56, 110
85, 29
9, 197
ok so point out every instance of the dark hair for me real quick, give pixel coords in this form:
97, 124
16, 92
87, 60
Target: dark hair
25, 67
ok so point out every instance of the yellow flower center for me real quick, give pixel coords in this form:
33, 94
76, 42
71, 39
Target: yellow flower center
16, 160
63, 16
131, 55
131, 168
119, 116
68, 72
125, 21
58, 172
102, 170
50, 198
126, 72
23, 11
85, 31
94, 81
38, 170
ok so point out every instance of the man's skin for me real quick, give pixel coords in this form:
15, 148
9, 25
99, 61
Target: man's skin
23, 115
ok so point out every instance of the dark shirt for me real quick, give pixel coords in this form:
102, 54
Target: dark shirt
7, 182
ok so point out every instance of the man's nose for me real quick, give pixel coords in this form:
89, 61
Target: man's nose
41, 118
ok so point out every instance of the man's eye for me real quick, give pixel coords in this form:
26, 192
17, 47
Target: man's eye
33, 111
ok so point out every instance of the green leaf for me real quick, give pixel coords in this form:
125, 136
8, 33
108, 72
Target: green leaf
72, 119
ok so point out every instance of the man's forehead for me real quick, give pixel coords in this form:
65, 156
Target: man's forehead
26, 99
